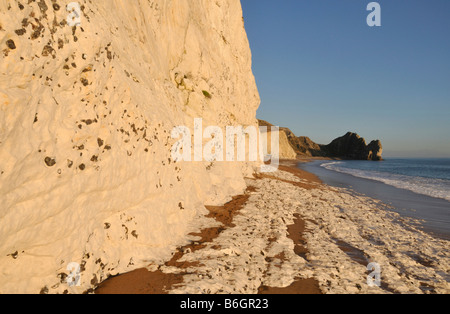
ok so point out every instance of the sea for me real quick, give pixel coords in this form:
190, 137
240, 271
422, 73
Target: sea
415, 188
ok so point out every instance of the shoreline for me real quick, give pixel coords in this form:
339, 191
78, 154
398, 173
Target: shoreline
429, 211
319, 243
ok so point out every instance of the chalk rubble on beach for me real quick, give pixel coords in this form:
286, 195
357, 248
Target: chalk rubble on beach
248, 257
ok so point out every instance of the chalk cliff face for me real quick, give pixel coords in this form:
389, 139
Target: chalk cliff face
85, 119
303, 145
285, 149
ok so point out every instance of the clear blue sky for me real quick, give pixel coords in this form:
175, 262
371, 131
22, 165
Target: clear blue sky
322, 71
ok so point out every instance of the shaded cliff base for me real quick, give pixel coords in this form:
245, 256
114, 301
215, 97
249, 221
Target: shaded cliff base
349, 146
291, 234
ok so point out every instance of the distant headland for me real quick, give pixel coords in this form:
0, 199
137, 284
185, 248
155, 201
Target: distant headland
349, 146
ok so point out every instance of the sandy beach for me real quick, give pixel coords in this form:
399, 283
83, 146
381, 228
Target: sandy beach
291, 234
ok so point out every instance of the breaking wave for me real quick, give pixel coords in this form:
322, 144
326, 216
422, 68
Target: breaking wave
437, 188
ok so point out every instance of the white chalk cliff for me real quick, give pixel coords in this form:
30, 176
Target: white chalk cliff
85, 120
284, 151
